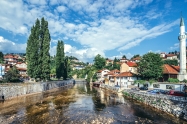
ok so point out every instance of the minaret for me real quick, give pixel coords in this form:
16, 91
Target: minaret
182, 40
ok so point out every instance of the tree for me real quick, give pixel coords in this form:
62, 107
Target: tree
137, 55
124, 56
171, 62
115, 65
12, 75
45, 50
60, 60
37, 51
99, 62
1, 57
66, 68
150, 66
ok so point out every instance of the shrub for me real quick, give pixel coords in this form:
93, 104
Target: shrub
173, 80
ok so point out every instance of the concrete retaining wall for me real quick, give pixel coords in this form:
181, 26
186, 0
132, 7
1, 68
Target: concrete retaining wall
12, 90
174, 105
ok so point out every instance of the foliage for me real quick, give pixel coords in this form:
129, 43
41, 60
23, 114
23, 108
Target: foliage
1, 57
137, 55
37, 51
99, 62
124, 56
140, 81
150, 66
52, 65
67, 68
173, 80
60, 59
185, 81
12, 75
90, 75
151, 81
171, 62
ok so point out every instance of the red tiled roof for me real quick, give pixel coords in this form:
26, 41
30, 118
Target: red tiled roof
99, 71
170, 69
137, 58
115, 70
131, 64
125, 74
114, 75
170, 55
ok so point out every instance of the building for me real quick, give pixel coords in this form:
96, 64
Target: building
128, 67
125, 79
108, 61
101, 73
2, 70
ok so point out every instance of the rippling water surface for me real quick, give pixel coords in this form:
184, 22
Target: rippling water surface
80, 104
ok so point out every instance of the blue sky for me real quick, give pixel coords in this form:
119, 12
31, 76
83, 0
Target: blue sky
112, 28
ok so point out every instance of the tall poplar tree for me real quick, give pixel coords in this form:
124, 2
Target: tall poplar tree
60, 60
37, 52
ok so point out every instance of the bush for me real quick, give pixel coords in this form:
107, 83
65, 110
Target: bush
185, 81
173, 80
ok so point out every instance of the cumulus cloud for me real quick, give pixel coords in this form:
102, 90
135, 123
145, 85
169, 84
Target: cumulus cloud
7, 46
89, 25
175, 46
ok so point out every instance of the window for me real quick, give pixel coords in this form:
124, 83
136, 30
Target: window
170, 87
156, 85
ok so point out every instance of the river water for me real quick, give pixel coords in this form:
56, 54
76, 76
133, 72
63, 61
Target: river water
80, 104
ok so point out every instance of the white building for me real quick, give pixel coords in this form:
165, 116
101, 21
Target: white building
2, 70
101, 73
125, 79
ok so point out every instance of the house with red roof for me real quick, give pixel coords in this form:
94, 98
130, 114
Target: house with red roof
108, 61
137, 59
110, 77
125, 79
169, 71
101, 73
128, 67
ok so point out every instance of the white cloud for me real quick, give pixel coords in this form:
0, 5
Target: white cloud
175, 46
98, 32
7, 46
85, 55
61, 9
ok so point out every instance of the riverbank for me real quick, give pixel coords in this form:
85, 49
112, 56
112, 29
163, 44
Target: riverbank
176, 106
10, 91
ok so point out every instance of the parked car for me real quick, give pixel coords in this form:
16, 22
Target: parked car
143, 88
157, 91
176, 93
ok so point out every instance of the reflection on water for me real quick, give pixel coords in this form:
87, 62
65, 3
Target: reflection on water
77, 105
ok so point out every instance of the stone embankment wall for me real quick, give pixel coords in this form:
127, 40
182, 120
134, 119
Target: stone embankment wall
174, 105
8, 91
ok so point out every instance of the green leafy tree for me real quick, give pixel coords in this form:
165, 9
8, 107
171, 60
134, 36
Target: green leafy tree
99, 62
150, 66
137, 55
124, 56
32, 51
1, 57
60, 60
171, 62
12, 75
67, 68
37, 51
45, 51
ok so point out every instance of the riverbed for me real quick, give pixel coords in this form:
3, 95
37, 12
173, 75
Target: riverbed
80, 104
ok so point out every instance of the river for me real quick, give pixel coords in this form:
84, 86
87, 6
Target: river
80, 104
